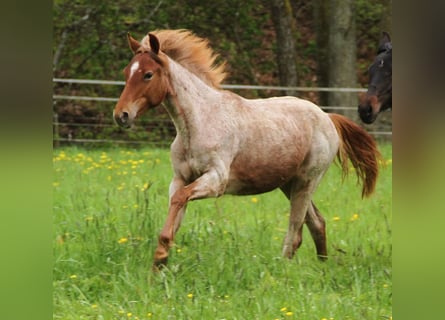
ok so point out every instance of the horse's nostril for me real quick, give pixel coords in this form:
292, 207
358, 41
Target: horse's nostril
368, 110
122, 118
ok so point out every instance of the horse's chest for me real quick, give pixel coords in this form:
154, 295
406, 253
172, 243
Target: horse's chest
192, 168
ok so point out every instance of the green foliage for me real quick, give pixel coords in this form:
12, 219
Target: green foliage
95, 41
369, 17
90, 43
109, 206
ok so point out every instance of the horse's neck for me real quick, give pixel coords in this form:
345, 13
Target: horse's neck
192, 101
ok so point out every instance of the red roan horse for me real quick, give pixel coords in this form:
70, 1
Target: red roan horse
379, 95
226, 144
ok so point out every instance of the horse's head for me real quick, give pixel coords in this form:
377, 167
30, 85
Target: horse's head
147, 82
379, 95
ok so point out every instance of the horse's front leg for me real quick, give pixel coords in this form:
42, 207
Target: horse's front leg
174, 218
211, 184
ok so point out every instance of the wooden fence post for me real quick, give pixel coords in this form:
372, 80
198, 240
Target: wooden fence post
56, 130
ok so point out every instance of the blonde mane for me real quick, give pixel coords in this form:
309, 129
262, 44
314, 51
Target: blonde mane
192, 52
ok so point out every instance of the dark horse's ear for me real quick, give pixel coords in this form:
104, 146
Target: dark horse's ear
154, 43
385, 43
134, 44
386, 37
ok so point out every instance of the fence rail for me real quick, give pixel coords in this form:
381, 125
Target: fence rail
69, 138
224, 86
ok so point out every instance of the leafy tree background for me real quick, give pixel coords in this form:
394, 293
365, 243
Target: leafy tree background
90, 43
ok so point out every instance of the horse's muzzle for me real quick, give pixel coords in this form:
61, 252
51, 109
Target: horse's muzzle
369, 108
122, 119
366, 114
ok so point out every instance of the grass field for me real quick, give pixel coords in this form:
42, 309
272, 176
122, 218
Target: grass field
109, 206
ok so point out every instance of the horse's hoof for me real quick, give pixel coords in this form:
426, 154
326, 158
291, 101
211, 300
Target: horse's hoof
322, 257
158, 265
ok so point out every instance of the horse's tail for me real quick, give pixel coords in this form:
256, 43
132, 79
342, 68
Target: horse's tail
357, 145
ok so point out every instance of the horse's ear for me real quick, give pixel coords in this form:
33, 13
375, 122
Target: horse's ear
386, 37
133, 43
385, 43
154, 43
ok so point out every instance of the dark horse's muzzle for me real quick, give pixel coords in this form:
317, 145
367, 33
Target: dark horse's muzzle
368, 109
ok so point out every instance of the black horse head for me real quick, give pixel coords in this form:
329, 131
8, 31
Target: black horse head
379, 95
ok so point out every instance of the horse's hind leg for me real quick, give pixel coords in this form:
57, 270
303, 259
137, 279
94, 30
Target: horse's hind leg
317, 226
300, 199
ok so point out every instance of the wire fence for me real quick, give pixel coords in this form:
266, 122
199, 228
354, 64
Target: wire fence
156, 130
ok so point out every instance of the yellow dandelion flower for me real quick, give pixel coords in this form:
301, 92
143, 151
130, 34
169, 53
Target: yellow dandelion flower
254, 200
122, 240
385, 285
284, 309
190, 295
136, 206
289, 313
129, 314
354, 217
73, 276
94, 306
60, 239
336, 218
89, 218
149, 314
178, 250
121, 312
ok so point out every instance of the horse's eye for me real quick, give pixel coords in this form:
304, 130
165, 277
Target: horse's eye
148, 75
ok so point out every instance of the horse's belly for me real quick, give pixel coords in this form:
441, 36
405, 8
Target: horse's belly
255, 182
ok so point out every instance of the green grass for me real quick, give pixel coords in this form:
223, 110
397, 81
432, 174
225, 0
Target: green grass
110, 205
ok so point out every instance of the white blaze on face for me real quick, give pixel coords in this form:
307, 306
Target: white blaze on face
134, 67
